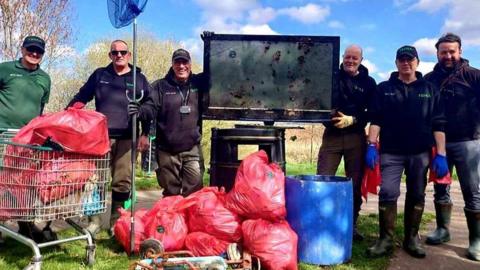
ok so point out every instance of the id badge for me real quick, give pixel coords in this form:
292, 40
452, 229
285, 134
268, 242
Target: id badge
185, 109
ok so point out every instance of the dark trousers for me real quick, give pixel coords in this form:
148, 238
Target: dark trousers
392, 167
465, 156
351, 146
182, 173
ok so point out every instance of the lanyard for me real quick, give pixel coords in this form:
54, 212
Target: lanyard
184, 99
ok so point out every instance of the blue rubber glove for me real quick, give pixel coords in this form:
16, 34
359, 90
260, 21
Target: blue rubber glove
440, 165
371, 156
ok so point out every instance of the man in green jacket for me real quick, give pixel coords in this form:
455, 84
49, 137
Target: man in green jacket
24, 91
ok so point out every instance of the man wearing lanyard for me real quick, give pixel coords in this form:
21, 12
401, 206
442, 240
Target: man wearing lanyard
174, 104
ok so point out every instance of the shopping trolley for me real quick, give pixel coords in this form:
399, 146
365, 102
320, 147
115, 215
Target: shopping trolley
38, 184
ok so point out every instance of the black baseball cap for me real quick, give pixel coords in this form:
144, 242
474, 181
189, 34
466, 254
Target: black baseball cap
408, 51
34, 41
181, 54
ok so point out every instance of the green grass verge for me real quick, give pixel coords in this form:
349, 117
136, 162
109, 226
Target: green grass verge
110, 255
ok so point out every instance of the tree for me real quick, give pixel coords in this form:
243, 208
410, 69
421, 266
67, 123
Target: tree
48, 19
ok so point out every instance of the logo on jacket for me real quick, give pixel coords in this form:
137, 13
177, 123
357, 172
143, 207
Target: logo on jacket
104, 82
15, 75
424, 95
358, 88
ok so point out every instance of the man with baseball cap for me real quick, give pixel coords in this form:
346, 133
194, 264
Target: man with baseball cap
24, 91
407, 114
175, 105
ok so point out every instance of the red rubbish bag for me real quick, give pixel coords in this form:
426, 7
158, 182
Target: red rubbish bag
75, 130
122, 229
209, 215
275, 244
203, 244
259, 190
371, 178
166, 222
432, 176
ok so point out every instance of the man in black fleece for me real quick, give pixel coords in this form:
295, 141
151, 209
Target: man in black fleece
175, 105
345, 135
408, 115
460, 85
109, 86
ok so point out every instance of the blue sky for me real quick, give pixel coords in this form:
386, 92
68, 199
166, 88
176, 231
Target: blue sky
379, 26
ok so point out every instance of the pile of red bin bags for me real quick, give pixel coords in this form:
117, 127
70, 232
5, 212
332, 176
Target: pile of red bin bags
253, 214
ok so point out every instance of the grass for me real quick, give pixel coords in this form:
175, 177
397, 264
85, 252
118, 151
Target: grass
109, 254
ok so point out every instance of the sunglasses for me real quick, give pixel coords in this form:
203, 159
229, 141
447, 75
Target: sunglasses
115, 53
34, 50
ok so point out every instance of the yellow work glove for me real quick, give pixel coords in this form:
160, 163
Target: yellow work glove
342, 120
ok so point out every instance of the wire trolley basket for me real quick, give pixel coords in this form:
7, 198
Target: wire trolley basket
38, 184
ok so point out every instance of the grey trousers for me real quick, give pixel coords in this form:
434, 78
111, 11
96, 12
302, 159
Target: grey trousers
392, 168
465, 156
182, 173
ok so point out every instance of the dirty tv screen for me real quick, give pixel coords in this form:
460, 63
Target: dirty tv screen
271, 78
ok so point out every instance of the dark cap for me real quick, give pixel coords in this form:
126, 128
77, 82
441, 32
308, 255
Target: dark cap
34, 41
180, 54
407, 50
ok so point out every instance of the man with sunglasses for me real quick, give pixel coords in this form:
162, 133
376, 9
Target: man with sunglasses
109, 86
24, 91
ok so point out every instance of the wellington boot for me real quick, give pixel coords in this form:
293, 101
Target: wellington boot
473, 222
443, 212
387, 213
412, 219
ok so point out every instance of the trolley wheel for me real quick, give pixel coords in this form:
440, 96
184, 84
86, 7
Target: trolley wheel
90, 256
151, 247
33, 266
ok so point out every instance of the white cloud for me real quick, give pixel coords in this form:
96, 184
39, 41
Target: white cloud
308, 14
463, 16
372, 68
261, 15
263, 29
194, 46
429, 6
336, 24
426, 46
425, 67
464, 20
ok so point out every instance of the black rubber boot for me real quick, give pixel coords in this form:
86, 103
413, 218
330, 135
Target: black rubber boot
443, 212
114, 215
411, 220
387, 213
473, 222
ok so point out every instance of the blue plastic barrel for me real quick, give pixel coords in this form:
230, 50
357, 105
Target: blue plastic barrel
320, 211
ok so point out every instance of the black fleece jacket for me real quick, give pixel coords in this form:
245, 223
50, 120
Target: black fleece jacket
352, 99
407, 114
109, 90
175, 131
460, 88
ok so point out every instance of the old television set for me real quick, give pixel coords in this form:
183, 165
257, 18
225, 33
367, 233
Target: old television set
270, 77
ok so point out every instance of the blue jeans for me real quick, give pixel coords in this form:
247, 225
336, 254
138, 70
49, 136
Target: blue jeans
465, 156
392, 167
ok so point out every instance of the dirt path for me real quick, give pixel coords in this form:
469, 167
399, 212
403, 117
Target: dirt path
447, 256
